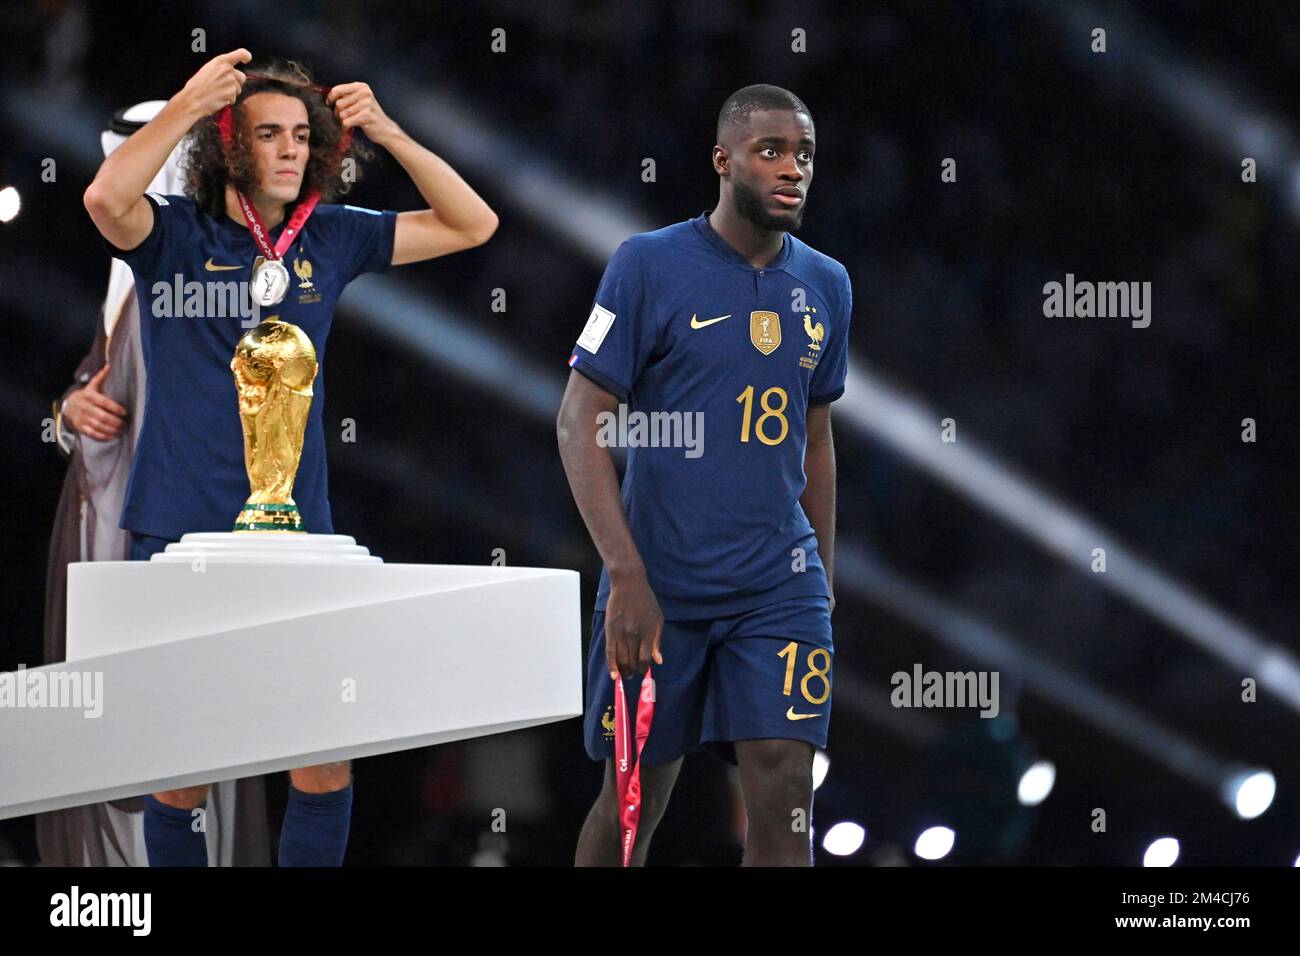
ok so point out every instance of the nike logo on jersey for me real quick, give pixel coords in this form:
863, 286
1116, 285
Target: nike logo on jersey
791, 715
697, 324
213, 267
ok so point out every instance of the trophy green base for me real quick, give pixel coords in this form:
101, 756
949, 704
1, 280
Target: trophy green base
269, 517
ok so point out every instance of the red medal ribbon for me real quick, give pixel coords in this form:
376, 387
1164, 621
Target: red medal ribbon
258, 230
629, 776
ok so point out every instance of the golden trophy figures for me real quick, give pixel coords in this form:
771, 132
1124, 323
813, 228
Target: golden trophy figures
274, 366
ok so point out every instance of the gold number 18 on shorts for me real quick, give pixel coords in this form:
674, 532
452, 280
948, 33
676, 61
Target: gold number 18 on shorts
791, 651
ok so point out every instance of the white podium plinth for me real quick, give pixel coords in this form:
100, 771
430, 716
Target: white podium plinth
237, 654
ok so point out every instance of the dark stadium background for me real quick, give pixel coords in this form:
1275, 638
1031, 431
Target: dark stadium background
1122, 166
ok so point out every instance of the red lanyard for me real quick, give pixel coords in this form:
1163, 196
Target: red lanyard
258, 230
629, 777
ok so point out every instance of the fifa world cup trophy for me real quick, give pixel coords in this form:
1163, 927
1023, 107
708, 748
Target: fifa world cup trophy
274, 365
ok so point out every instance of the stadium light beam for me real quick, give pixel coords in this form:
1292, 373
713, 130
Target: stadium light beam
935, 843
1161, 852
903, 423
1250, 792
10, 203
1036, 783
844, 839
821, 766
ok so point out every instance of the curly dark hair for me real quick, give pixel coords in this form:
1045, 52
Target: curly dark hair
208, 169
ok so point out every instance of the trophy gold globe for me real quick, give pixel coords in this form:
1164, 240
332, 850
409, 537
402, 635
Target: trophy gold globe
274, 366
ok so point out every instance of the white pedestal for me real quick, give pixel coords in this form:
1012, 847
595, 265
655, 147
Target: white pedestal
245, 653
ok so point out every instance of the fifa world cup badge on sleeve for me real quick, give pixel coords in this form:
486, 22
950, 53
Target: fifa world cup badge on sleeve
597, 327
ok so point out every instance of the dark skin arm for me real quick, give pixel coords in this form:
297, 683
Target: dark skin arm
633, 621
818, 497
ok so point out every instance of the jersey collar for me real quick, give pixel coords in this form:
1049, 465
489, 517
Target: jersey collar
725, 249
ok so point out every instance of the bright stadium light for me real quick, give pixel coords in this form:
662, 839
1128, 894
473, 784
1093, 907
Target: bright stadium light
1250, 793
934, 843
821, 765
1036, 783
9, 203
1162, 852
844, 839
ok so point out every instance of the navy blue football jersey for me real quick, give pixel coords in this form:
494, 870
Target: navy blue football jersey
716, 364
188, 473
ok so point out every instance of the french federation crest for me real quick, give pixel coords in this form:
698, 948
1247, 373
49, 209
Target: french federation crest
302, 269
765, 331
815, 333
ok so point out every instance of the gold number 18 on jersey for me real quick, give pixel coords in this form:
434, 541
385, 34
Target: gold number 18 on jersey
746, 398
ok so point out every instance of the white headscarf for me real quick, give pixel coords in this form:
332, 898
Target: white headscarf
170, 181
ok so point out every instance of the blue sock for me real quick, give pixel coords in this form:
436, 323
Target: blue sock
315, 829
169, 836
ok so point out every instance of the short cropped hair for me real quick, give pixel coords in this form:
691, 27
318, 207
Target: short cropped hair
760, 96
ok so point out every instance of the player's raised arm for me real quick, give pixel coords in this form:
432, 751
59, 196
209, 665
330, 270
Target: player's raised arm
633, 621
115, 199
457, 217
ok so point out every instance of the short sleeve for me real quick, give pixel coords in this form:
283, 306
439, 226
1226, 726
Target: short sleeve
167, 225
363, 238
828, 380
616, 342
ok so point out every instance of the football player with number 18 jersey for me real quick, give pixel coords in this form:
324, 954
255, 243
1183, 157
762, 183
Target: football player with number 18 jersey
713, 351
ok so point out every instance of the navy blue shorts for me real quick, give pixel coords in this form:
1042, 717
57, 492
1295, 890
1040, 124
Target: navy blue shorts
761, 675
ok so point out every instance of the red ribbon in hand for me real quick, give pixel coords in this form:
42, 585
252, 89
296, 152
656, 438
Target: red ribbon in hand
629, 776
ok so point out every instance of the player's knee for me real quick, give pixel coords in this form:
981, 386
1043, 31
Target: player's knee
781, 772
605, 808
653, 805
323, 778
185, 799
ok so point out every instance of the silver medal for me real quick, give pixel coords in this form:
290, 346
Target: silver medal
270, 282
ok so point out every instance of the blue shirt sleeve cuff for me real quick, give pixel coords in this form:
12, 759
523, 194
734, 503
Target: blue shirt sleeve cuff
581, 363
384, 255
827, 398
